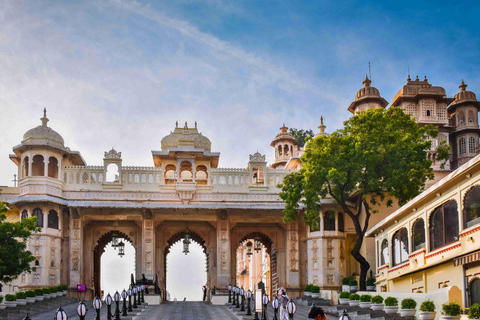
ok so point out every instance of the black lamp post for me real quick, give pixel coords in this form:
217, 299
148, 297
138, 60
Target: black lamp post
134, 293
233, 296
229, 294
129, 292
108, 302
291, 309
124, 296
344, 316
242, 294
59, 315
143, 293
265, 305
275, 308
139, 303
81, 310
255, 304
117, 297
237, 291
97, 305
249, 297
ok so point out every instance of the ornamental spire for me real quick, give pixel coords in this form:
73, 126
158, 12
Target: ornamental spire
44, 119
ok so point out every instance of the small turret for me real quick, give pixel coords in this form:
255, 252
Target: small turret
285, 147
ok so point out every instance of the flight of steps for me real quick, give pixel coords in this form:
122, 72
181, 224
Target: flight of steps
35, 308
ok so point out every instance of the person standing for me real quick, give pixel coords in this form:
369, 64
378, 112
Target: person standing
204, 288
283, 299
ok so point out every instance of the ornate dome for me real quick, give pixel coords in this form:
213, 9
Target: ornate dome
464, 94
186, 137
367, 91
284, 135
43, 135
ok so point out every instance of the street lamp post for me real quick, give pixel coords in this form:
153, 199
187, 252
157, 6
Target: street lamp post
242, 294
59, 315
233, 296
249, 297
238, 298
139, 302
124, 296
82, 310
108, 302
291, 309
275, 308
229, 294
116, 297
97, 305
129, 292
344, 316
265, 305
134, 293
143, 293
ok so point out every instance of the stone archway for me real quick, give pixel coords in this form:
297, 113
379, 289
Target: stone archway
97, 254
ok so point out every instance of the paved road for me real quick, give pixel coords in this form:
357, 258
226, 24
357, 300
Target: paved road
186, 310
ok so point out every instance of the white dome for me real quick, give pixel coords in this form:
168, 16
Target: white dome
43, 135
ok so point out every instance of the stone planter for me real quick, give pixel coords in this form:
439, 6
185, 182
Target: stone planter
365, 305
30, 299
353, 288
65, 292
371, 288
47, 296
59, 293
408, 312
343, 300
53, 295
377, 306
450, 317
390, 310
345, 288
11, 304
315, 295
354, 303
21, 302
2, 306
426, 315
39, 298
307, 294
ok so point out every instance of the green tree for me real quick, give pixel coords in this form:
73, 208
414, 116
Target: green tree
14, 256
379, 155
300, 135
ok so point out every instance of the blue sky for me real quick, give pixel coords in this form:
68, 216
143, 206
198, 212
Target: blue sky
120, 73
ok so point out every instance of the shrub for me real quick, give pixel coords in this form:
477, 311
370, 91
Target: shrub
352, 282
451, 309
308, 288
64, 287
315, 289
10, 297
45, 291
30, 294
391, 302
355, 297
21, 295
1, 299
52, 289
427, 306
370, 281
38, 292
346, 281
365, 298
474, 311
377, 299
345, 295
409, 304
59, 288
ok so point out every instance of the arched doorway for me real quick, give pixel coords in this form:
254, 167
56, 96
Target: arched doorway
183, 270
475, 291
97, 255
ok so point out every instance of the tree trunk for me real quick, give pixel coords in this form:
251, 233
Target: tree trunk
364, 265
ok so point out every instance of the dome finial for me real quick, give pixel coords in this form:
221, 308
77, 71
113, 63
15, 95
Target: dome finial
284, 129
425, 80
176, 124
463, 86
367, 81
44, 119
321, 127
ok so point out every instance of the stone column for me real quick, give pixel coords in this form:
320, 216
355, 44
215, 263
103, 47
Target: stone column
76, 250
45, 164
293, 274
223, 253
30, 160
148, 253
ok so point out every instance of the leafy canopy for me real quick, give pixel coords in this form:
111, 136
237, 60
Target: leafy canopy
301, 135
14, 256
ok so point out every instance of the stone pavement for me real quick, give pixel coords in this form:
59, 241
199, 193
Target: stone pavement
186, 310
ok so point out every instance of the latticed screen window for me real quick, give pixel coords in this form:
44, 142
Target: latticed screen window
411, 109
471, 145
462, 146
428, 108
441, 112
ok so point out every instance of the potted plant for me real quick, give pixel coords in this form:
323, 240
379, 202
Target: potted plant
10, 300
46, 293
451, 311
64, 289
308, 290
344, 297
371, 284
427, 310
365, 301
21, 299
391, 305
354, 300
474, 311
59, 291
377, 303
38, 294
408, 308
2, 305
353, 285
53, 292
345, 286
30, 296
315, 292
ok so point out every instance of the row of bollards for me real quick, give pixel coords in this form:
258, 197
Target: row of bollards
236, 294
137, 292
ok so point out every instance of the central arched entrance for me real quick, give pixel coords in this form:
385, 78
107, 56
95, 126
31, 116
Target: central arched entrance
186, 271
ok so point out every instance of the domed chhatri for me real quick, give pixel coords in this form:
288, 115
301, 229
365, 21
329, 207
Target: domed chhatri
186, 137
43, 135
464, 95
367, 98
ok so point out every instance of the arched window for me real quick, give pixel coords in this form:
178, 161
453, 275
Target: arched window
24, 214
85, 178
418, 235
471, 212
329, 221
461, 118
471, 119
186, 171
25, 167
286, 150
400, 246
280, 153
341, 222
53, 167
38, 166
462, 145
257, 176
170, 173
53, 219
291, 150
384, 252
112, 174
472, 145
201, 175
428, 113
443, 225
37, 212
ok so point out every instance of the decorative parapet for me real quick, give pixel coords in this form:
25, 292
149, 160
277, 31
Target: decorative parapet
257, 157
458, 245
469, 232
112, 154
416, 253
407, 264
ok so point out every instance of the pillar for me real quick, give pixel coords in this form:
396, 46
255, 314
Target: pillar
293, 274
223, 253
45, 165
76, 251
148, 253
